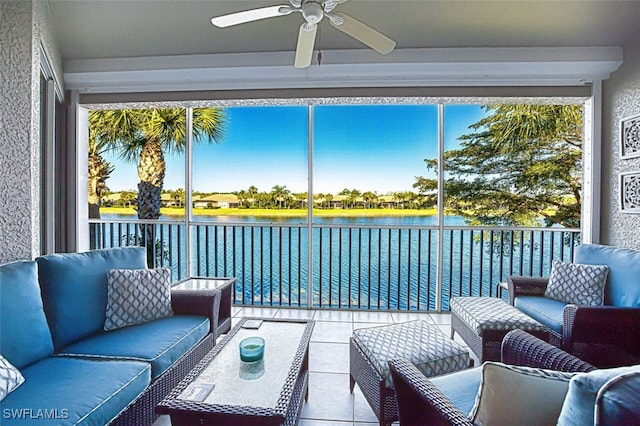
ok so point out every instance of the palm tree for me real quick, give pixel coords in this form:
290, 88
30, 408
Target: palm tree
143, 135
180, 196
353, 196
280, 194
99, 171
127, 198
399, 198
328, 198
319, 197
369, 197
301, 198
252, 193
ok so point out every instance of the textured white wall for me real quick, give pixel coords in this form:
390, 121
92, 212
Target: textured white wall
620, 99
23, 28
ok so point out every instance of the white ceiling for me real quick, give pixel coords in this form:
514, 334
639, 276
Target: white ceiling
88, 29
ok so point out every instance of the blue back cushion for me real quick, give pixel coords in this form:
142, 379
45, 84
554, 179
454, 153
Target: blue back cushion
24, 333
623, 283
580, 402
74, 289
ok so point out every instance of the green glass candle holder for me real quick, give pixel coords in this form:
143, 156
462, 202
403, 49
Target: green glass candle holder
251, 349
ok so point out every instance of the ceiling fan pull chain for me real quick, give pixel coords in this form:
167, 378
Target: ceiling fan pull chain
319, 45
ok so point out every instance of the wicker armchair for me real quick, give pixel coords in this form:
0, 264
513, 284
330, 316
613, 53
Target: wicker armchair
420, 402
605, 336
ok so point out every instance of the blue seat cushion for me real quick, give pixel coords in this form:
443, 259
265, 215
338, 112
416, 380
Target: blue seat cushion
160, 342
60, 390
74, 289
460, 387
544, 310
24, 333
623, 282
610, 387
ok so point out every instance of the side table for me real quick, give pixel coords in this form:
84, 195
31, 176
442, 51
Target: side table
203, 285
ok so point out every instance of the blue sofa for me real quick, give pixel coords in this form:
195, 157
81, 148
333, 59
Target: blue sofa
52, 314
605, 336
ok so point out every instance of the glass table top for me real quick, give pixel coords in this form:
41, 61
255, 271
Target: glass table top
229, 381
201, 283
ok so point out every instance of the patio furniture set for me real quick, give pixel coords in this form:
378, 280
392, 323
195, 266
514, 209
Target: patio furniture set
591, 309
73, 336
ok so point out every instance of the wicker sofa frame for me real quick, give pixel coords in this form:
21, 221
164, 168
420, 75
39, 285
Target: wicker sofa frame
605, 336
421, 402
141, 411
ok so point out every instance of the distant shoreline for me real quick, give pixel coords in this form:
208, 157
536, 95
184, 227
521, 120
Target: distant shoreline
170, 211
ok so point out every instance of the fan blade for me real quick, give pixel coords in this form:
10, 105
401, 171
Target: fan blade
306, 40
248, 16
364, 33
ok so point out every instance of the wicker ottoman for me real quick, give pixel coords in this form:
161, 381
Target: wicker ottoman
418, 341
482, 322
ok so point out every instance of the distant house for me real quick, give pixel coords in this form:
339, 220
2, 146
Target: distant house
221, 201
168, 200
338, 201
387, 202
111, 199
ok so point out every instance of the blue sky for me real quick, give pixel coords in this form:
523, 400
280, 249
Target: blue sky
378, 148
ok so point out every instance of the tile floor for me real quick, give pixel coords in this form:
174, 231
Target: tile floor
330, 402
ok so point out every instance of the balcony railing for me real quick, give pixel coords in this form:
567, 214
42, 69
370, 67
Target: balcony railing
352, 266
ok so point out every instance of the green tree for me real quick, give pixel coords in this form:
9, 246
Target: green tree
369, 197
328, 198
179, 195
400, 198
252, 193
428, 191
301, 199
280, 195
352, 197
520, 164
143, 136
98, 173
127, 198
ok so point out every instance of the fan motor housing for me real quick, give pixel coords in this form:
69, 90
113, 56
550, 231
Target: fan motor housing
312, 12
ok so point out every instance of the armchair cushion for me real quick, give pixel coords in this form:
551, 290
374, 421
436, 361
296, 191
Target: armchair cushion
577, 283
511, 395
578, 407
546, 311
460, 387
623, 286
135, 296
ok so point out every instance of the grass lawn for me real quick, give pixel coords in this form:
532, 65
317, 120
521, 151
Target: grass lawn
171, 211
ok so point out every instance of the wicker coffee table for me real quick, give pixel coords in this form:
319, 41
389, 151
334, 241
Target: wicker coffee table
221, 390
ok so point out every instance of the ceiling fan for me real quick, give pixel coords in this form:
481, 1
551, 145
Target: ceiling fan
313, 11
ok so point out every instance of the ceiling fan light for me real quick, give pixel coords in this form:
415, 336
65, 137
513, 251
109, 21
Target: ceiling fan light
312, 12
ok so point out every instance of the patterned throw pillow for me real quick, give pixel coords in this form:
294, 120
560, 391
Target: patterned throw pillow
510, 395
10, 378
577, 283
137, 295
